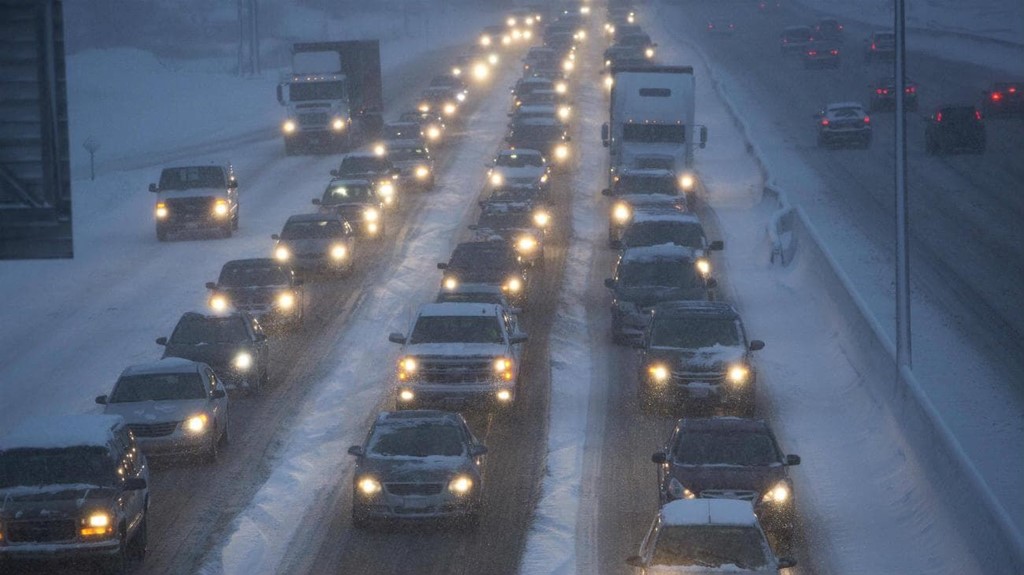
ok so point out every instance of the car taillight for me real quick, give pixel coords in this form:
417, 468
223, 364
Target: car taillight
938, 116
996, 96
834, 52
812, 53
824, 121
1012, 90
911, 90
873, 46
840, 26
977, 115
867, 119
881, 91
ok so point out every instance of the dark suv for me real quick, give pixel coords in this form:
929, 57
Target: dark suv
729, 458
493, 262
955, 129
881, 46
73, 488
697, 353
263, 287
234, 345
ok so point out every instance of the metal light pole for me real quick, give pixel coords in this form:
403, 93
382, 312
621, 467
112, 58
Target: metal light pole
903, 354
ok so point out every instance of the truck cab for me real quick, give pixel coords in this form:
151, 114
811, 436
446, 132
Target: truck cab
196, 197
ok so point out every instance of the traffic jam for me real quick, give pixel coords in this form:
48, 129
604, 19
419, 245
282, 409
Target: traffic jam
76, 489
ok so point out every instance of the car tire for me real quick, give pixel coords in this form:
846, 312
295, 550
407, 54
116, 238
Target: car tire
213, 450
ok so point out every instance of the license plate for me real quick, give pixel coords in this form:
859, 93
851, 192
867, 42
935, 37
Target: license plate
699, 389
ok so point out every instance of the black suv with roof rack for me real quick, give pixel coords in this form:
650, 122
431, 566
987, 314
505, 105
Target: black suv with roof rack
697, 354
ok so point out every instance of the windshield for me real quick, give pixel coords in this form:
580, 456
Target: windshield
323, 229
646, 185
694, 332
655, 233
537, 133
710, 546
197, 329
506, 220
416, 440
746, 448
406, 154
520, 160
158, 387
657, 273
192, 177
346, 193
401, 132
239, 276
363, 164
306, 91
654, 133
67, 466
457, 329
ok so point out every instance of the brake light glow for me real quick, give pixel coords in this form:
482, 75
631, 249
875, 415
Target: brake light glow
938, 116
996, 96
824, 121
881, 91
977, 115
867, 119
834, 52
1012, 90
911, 89
873, 46
812, 52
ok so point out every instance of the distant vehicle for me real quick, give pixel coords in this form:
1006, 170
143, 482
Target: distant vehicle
233, 344
625, 206
495, 36
697, 354
73, 487
829, 30
196, 197
333, 96
494, 262
401, 134
173, 407
415, 166
1003, 99
730, 458
618, 56
357, 202
883, 94
647, 276
541, 58
452, 82
316, 242
880, 46
376, 168
519, 223
432, 125
820, 55
769, 6
794, 39
441, 100
844, 123
417, 465
519, 168
266, 289
458, 355
706, 536
637, 40
524, 86
654, 227
955, 128
721, 26
634, 187
548, 136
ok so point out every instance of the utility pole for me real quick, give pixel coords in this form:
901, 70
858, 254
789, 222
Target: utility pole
903, 340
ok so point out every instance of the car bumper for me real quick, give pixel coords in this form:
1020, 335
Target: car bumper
176, 444
845, 135
58, 551
419, 508
699, 393
457, 396
184, 222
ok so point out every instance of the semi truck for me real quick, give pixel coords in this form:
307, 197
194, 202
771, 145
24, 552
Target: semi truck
333, 96
652, 120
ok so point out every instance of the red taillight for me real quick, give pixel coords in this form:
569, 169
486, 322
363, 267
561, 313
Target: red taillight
867, 119
873, 46
840, 26
977, 115
881, 91
996, 96
812, 53
711, 26
938, 116
834, 52
824, 121
1012, 90
911, 90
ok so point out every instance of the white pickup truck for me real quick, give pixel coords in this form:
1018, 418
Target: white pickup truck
196, 197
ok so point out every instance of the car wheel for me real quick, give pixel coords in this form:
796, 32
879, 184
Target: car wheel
140, 542
118, 563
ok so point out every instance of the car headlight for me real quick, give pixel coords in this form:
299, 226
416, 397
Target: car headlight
242, 361
481, 71
649, 52
369, 486
542, 218
778, 494
196, 423
630, 18
406, 395
704, 267
449, 109
371, 214
379, 149
485, 41
544, 179
492, 59
289, 127
460, 484
461, 96
526, 244
568, 65
527, 34
686, 182
450, 283
497, 179
220, 208
338, 124
502, 364
407, 366
677, 491
563, 112
286, 300
561, 87
506, 40
456, 71
561, 152
514, 285
97, 523
739, 374
424, 107
161, 211
433, 132
503, 395
422, 172
387, 191
219, 302
621, 212
511, 21
282, 254
659, 373
609, 82
339, 252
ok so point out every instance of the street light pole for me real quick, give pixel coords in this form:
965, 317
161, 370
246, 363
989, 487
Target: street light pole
903, 352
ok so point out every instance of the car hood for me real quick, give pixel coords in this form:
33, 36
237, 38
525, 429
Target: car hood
156, 411
645, 296
310, 245
191, 193
456, 349
347, 209
716, 358
410, 164
253, 293
432, 469
53, 501
210, 353
759, 478
523, 173
701, 570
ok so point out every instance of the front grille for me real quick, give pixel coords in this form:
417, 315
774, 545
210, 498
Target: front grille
255, 298
403, 489
313, 120
456, 370
728, 494
201, 206
153, 429
41, 531
687, 377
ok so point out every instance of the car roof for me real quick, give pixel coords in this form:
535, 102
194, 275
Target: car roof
254, 263
424, 415
658, 252
319, 217
725, 512
350, 181
837, 105
726, 423
459, 309
641, 215
61, 431
689, 308
162, 366
646, 172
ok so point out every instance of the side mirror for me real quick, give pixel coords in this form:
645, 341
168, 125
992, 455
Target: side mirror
211, 285
335, 174
659, 458
280, 94
101, 399
396, 337
356, 450
219, 394
275, 237
786, 562
233, 184
161, 341
153, 188
606, 192
637, 561
442, 266
518, 338
716, 246
792, 459
609, 283
711, 283
135, 484
703, 137
756, 345
478, 450
316, 201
